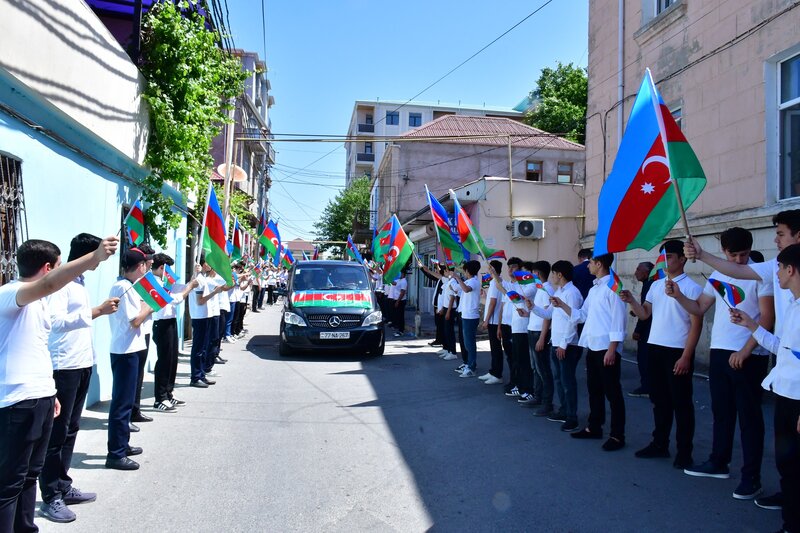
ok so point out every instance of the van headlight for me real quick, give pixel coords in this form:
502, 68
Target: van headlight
373, 318
293, 319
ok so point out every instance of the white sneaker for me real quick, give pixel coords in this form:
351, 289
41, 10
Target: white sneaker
485, 376
450, 357
491, 380
441, 352
226, 340
467, 373
460, 368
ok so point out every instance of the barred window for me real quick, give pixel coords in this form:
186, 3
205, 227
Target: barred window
13, 224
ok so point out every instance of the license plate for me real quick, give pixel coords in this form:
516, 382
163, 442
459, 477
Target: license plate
334, 335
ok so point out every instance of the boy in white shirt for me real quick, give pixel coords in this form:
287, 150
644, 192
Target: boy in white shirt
28, 400
491, 322
470, 315
505, 332
670, 352
202, 325
603, 317
400, 298
538, 343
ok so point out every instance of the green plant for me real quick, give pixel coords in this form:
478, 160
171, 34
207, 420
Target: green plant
350, 205
560, 98
190, 82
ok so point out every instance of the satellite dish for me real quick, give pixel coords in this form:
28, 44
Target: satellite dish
238, 173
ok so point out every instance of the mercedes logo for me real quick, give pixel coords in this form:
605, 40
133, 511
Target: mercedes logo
334, 321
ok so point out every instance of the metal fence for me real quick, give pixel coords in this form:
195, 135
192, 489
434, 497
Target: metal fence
13, 223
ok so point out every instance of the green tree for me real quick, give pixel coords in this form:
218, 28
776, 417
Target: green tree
560, 99
350, 205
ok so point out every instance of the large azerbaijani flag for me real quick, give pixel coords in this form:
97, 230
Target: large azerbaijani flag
470, 239
638, 205
134, 224
214, 239
287, 259
270, 239
150, 290
380, 242
237, 240
399, 252
441, 222
352, 251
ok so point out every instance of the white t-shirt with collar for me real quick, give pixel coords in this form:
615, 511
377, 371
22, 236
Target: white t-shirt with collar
563, 331
124, 337
604, 316
70, 340
401, 285
768, 271
493, 293
214, 302
26, 370
508, 307
726, 335
519, 324
199, 311
784, 379
171, 310
540, 299
671, 322
471, 301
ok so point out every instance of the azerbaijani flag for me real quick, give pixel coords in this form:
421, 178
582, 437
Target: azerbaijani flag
441, 223
170, 277
352, 251
660, 268
733, 294
637, 205
134, 223
380, 243
498, 254
262, 222
523, 277
399, 252
614, 283
214, 238
486, 280
514, 297
316, 253
286, 257
236, 253
538, 281
150, 290
270, 239
305, 255
469, 237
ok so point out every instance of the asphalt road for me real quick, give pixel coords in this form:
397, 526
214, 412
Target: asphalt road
396, 443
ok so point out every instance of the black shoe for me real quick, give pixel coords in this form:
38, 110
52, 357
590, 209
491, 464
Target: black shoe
199, 384
586, 433
569, 426
639, 393
133, 427
652, 451
208, 381
612, 444
141, 417
682, 462
557, 417
773, 502
434, 343
133, 450
121, 464
220, 361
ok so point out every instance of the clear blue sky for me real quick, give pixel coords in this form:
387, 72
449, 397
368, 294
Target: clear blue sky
323, 55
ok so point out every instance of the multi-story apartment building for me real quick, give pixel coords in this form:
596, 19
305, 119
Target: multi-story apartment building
376, 119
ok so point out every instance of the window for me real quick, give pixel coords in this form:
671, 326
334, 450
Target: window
789, 127
367, 148
564, 172
414, 120
677, 114
368, 119
392, 118
533, 171
13, 226
662, 5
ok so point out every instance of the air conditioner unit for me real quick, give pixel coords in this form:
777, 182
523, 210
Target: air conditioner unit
527, 228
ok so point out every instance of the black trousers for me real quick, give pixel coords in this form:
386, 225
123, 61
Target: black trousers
521, 372
439, 321
165, 335
464, 354
256, 294
216, 328
505, 330
738, 393
399, 315
671, 396
644, 371
496, 349
787, 458
449, 331
71, 388
543, 386
24, 433
270, 294
238, 318
391, 314
603, 384
137, 403
123, 395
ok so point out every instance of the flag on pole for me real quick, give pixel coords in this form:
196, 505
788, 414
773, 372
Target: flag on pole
316, 253
214, 238
287, 259
638, 205
262, 223
659, 270
486, 280
352, 251
469, 237
733, 294
514, 297
441, 223
270, 239
380, 244
134, 223
305, 255
614, 283
498, 254
399, 251
150, 290
237, 240
523, 277
170, 277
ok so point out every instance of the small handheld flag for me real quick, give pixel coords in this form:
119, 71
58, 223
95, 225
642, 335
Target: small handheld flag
524, 277
514, 296
352, 251
151, 291
659, 270
538, 281
733, 295
134, 224
170, 277
486, 280
614, 283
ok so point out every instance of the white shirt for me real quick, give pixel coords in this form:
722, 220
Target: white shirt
471, 301
401, 285
214, 302
563, 331
26, 371
519, 324
124, 337
171, 310
540, 299
70, 340
768, 271
199, 311
493, 293
444, 299
604, 317
391, 291
784, 379
508, 308
671, 322
725, 335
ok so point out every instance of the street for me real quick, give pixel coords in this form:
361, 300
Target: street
397, 443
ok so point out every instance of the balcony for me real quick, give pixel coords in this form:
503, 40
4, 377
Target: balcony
270, 154
365, 158
366, 128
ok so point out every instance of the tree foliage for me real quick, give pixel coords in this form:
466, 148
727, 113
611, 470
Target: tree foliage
350, 205
190, 81
560, 98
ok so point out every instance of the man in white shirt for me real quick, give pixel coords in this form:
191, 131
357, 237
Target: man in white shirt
448, 351
505, 333
538, 343
470, 315
400, 298
603, 316
670, 351
216, 304
736, 367
147, 330
28, 400
784, 381
491, 322
565, 352
201, 325
70, 345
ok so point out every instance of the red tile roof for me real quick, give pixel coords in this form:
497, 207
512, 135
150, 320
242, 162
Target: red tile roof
490, 131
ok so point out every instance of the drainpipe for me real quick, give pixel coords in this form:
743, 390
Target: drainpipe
621, 73
510, 184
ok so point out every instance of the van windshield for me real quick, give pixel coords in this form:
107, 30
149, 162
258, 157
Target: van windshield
330, 278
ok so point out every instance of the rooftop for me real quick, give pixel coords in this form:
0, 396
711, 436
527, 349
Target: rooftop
445, 105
